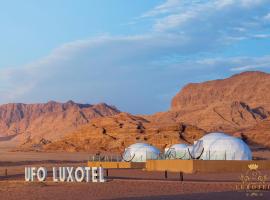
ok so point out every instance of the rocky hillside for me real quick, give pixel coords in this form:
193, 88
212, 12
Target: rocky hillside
238, 105
252, 88
231, 104
223, 116
114, 133
51, 120
258, 135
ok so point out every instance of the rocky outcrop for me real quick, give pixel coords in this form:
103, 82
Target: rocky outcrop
238, 102
49, 121
258, 135
252, 88
113, 134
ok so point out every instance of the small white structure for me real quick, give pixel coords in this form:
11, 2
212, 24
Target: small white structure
177, 151
140, 152
220, 146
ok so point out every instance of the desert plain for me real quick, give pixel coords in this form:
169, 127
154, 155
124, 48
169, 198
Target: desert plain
120, 184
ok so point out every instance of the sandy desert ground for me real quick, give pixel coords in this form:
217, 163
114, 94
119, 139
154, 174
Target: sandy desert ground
124, 184
121, 184
121, 189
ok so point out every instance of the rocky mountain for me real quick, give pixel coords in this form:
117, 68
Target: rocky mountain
222, 116
114, 133
239, 104
258, 135
231, 104
252, 88
50, 120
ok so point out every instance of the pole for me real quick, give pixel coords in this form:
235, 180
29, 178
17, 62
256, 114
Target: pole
181, 176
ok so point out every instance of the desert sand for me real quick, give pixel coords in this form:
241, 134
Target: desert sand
121, 184
119, 187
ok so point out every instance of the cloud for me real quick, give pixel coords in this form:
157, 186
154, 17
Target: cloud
261, 36
252, 63
267, 17
234, 64
220, 17
167, 7
140, 73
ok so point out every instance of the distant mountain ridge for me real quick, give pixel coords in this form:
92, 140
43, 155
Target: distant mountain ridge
52, 119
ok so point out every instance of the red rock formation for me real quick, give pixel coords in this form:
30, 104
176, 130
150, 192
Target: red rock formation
252, 88
241, 102
51, 120
114, 133
258, 135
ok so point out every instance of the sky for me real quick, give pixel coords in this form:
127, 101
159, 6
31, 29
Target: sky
135, 55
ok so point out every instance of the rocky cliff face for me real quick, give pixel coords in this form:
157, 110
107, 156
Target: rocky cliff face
51, 120
252, 88
230, 104
114, 133
239, 104
258, 135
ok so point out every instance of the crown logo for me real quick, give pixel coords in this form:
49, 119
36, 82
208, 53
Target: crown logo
253, 166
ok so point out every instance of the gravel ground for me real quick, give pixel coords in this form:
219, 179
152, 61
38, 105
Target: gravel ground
121, 189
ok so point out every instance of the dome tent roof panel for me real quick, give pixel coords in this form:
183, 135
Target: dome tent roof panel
220, 146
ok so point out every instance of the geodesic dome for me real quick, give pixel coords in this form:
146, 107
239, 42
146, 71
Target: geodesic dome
177, 151
140, 152
220, 146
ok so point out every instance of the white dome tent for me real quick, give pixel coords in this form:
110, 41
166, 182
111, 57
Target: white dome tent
219, 146
140, 152
177, 151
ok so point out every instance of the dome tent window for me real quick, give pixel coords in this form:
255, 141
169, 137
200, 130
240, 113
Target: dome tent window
177, 151
140, 152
